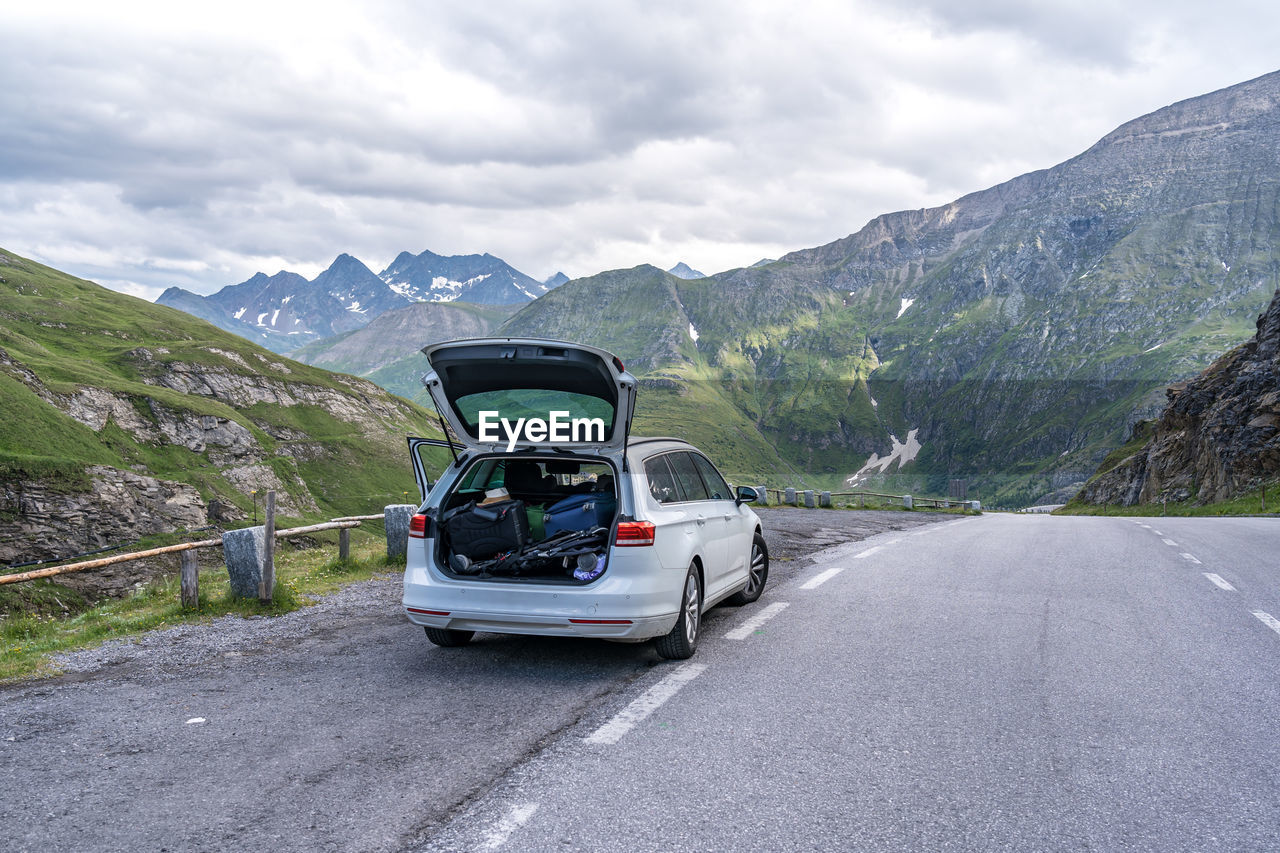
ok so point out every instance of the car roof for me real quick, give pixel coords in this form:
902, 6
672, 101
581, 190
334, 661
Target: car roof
646, 446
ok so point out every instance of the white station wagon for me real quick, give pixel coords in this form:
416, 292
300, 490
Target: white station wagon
552, 519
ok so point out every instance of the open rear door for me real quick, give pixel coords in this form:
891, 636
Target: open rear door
422, 463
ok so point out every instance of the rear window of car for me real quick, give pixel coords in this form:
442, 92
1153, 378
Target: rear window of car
662, 485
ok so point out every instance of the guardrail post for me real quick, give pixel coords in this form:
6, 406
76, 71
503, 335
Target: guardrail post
242, 550
808, 498
763, 492
824, 499
267, 582
396, 519
907, 502
344, 544
790, 498
190, 571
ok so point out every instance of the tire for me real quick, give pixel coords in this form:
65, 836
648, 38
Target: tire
448, 638
757, 574
682, 641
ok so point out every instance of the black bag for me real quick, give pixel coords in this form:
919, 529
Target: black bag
482, 532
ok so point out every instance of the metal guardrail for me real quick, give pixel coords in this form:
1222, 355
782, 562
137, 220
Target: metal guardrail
813, 498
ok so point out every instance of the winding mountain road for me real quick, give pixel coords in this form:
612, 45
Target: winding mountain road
1003, 682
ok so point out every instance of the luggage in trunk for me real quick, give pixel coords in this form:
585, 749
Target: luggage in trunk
480, 532
580, 512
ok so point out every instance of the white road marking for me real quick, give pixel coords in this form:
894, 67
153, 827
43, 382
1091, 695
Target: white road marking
513, 820
868, 552
1268, 620
1171, 542
819, 580
195, 721
1148, 526
652, 699
1187, 556
1219, 582
746, 629
1156, 532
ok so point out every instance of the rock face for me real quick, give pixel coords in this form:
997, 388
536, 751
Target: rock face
1218, 437
42, 523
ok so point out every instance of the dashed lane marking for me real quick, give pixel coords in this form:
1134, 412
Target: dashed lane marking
1268, 620
511, 821
1219, 582
648, 702
746, 629
819, 580
1190, 558
1170, 542
868, 552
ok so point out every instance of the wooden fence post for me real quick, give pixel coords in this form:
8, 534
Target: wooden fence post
266, 586
344, 544
190, 565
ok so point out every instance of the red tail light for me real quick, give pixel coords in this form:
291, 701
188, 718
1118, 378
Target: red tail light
635, 533
418, 527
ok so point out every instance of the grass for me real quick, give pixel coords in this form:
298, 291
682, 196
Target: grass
33, 627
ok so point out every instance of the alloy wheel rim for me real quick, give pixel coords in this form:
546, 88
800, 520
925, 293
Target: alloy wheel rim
691, 608
756, 576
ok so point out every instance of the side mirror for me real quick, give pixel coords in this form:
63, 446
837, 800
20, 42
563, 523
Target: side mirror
746, 495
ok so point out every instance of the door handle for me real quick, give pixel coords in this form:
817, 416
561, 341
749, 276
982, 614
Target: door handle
702, 520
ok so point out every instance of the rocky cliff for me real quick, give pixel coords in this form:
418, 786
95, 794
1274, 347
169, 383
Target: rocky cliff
1219, 435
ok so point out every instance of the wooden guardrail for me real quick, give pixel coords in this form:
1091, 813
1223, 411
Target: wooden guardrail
188, 564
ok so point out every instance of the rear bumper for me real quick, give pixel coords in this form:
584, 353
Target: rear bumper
641, 628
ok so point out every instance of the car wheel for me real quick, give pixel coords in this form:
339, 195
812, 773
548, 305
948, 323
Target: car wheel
447, 637
682, 641
757, 574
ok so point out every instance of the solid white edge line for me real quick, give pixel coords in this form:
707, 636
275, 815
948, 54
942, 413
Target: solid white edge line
1218, 581
648, 702
1268, 620
868, 552
1187, 556
819, 580
511, 821
746, 629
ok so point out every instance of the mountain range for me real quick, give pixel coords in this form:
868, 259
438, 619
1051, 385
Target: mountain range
1011, 338
284, 312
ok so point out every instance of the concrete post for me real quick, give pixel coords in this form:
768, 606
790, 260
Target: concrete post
396, 519
243, 550
764, 495
907, 503
790, 498
824, 499
808, 498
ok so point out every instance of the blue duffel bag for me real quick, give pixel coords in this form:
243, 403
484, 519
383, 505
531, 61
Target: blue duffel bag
580, 512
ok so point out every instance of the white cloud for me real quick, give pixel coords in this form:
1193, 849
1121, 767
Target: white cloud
150, 144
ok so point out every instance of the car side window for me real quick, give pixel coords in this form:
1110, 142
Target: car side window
720, 490
662, 485
687, 476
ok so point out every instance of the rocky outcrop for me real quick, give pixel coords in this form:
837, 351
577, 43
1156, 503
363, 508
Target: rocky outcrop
1219, 436
40, 522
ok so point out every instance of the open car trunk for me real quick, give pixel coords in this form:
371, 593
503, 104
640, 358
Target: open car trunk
532, 519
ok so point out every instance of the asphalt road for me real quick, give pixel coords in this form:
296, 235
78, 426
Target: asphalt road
337, 727
1004, 682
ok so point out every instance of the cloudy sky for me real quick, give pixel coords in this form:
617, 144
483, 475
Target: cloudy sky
144, 145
